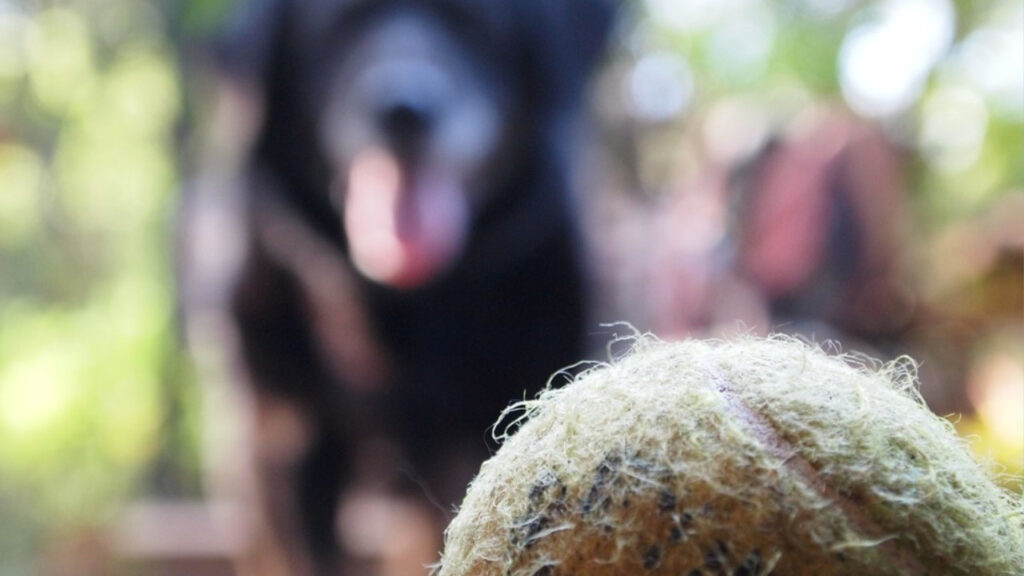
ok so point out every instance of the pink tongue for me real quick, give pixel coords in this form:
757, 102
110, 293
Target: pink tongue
403, 229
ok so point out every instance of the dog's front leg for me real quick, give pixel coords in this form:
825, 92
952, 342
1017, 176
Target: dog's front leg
298, 465
279, 445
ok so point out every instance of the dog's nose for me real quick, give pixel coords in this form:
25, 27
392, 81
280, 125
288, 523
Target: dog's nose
406, 119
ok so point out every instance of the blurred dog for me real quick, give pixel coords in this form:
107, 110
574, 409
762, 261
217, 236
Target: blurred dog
383, 238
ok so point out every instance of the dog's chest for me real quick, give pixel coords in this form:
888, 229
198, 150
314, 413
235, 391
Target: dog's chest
506, 329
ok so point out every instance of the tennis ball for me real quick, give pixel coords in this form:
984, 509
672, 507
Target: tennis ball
744, 457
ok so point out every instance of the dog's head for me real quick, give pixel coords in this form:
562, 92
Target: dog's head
390, 121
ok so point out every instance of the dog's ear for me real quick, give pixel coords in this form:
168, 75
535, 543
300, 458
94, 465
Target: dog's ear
246, 50
264, 58
588, 24
569, 38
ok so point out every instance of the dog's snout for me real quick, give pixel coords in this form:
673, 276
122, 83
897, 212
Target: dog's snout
414, 91
406, 118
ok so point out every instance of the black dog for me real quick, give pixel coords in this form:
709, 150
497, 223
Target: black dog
385, 230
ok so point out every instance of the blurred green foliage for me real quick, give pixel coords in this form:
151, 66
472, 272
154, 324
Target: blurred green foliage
757, 49
90, 104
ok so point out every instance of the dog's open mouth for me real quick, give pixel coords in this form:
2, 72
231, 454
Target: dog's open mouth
405, 223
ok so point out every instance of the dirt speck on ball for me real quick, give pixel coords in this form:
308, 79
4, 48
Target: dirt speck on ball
741, 457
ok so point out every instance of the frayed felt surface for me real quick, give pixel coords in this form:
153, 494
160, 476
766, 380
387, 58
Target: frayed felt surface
746, 456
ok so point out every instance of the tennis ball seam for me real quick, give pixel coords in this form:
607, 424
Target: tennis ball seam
802, 470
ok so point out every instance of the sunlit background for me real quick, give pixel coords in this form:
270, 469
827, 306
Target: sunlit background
98, 407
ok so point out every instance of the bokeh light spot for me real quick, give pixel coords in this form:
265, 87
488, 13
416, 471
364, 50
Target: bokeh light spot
61, 60
21, 180
660, 87
953, 125
884, 62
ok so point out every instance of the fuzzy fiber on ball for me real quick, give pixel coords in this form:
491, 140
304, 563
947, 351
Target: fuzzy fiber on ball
743, 457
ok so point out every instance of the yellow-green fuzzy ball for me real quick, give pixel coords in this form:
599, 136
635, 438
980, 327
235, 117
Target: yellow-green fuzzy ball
744, 457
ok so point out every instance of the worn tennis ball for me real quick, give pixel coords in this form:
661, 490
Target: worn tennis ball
744, 457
